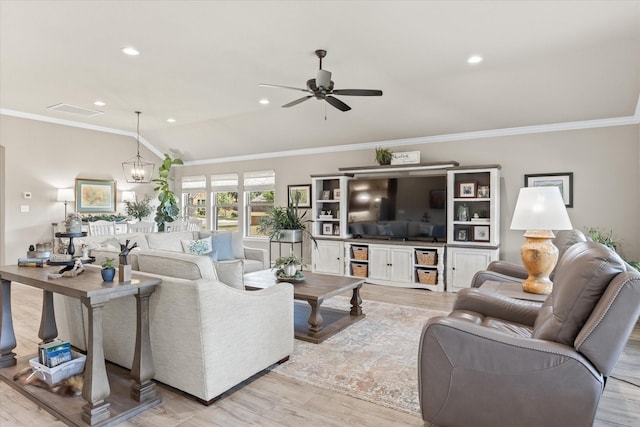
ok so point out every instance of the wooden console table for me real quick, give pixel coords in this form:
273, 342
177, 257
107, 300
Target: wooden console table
104, 406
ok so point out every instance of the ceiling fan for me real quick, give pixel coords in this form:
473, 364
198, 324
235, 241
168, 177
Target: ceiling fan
322, 88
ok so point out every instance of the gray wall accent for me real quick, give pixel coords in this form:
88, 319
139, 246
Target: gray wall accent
41, 157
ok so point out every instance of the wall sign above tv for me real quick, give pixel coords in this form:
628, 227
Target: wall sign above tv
404, 158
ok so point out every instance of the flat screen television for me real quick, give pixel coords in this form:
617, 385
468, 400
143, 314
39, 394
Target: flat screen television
406, 208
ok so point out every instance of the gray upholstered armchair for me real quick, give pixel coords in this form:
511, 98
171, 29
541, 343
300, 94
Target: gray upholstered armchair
503, 271
497, 361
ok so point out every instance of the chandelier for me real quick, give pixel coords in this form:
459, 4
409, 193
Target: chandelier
137, 169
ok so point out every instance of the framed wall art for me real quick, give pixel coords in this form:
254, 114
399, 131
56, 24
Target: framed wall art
327, 228
480, 233
562, 180
301, 194
467, 189
93, 195
462, 234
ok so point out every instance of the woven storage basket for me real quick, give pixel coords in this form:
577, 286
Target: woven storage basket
426, 257
360, 253
427, 277
359, 270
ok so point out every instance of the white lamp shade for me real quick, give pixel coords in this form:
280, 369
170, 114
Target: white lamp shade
65, 195
128, 196
540, 208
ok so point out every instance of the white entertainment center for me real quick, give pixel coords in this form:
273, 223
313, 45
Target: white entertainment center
414, 259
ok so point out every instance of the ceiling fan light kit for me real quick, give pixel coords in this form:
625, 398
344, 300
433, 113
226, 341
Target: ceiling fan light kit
322, 88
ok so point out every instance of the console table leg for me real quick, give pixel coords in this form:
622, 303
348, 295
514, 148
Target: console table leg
142, 370
356, 302
315, 318
48, 328
96, 384
7, 335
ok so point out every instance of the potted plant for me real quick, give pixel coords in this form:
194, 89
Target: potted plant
289, 266
383, 156
138, 209
285, 224
168, 209
108, 270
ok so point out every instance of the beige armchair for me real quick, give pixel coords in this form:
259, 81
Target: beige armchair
503, 271
497, 361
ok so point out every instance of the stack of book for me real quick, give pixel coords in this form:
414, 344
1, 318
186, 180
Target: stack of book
54, 353
32, 262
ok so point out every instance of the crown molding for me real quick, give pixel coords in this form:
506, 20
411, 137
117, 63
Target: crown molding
41, 118
493, 133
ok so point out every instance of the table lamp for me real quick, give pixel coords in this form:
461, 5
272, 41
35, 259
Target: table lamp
539, 210
65, 195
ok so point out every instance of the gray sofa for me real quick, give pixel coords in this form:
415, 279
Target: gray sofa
498, 361
206, 336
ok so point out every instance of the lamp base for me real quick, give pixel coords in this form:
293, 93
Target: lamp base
539, 256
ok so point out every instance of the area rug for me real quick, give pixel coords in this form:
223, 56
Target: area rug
374, 359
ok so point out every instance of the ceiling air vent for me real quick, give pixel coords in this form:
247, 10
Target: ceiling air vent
66, 108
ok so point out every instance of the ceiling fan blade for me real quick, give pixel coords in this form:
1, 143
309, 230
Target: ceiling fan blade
283, 87
337, 103
297, 101
358, 92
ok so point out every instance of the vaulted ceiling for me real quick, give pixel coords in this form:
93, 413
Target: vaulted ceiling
200, 63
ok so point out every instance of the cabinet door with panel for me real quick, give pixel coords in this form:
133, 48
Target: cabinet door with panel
390, 264
463, 263
328, 257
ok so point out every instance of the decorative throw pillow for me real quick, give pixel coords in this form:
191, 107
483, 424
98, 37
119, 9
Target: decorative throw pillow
221, 243
112, 243
197, 247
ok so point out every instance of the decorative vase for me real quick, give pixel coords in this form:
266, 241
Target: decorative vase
290, 270
108, 274
463, 212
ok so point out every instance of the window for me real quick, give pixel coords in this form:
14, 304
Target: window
224, 194
259, 196
194, 198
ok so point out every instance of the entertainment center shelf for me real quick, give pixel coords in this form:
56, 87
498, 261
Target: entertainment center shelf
429, 226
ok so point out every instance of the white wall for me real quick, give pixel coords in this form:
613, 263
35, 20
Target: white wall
41, 157
605, 163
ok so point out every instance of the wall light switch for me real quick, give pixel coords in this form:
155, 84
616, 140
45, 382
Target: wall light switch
24, 208
26, 194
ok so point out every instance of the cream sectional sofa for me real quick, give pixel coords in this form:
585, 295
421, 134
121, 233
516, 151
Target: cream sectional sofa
101, 246
206, 336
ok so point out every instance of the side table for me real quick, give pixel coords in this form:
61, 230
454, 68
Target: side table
512, 290
100, 403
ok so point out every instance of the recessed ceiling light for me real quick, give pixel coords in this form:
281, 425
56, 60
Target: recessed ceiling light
171, 120
474, 59
264, 101
99, 103
131, 51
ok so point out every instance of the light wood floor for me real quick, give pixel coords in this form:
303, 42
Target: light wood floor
270, 399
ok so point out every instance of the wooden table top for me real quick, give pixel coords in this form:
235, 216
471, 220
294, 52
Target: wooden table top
314, 285
89, 284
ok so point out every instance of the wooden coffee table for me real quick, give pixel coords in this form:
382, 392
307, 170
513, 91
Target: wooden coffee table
311, 322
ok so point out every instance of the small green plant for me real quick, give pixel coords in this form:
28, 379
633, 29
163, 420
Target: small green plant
602, 237
284, 218
138, 209
107, 264
383, 156
608, 240
289, 260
